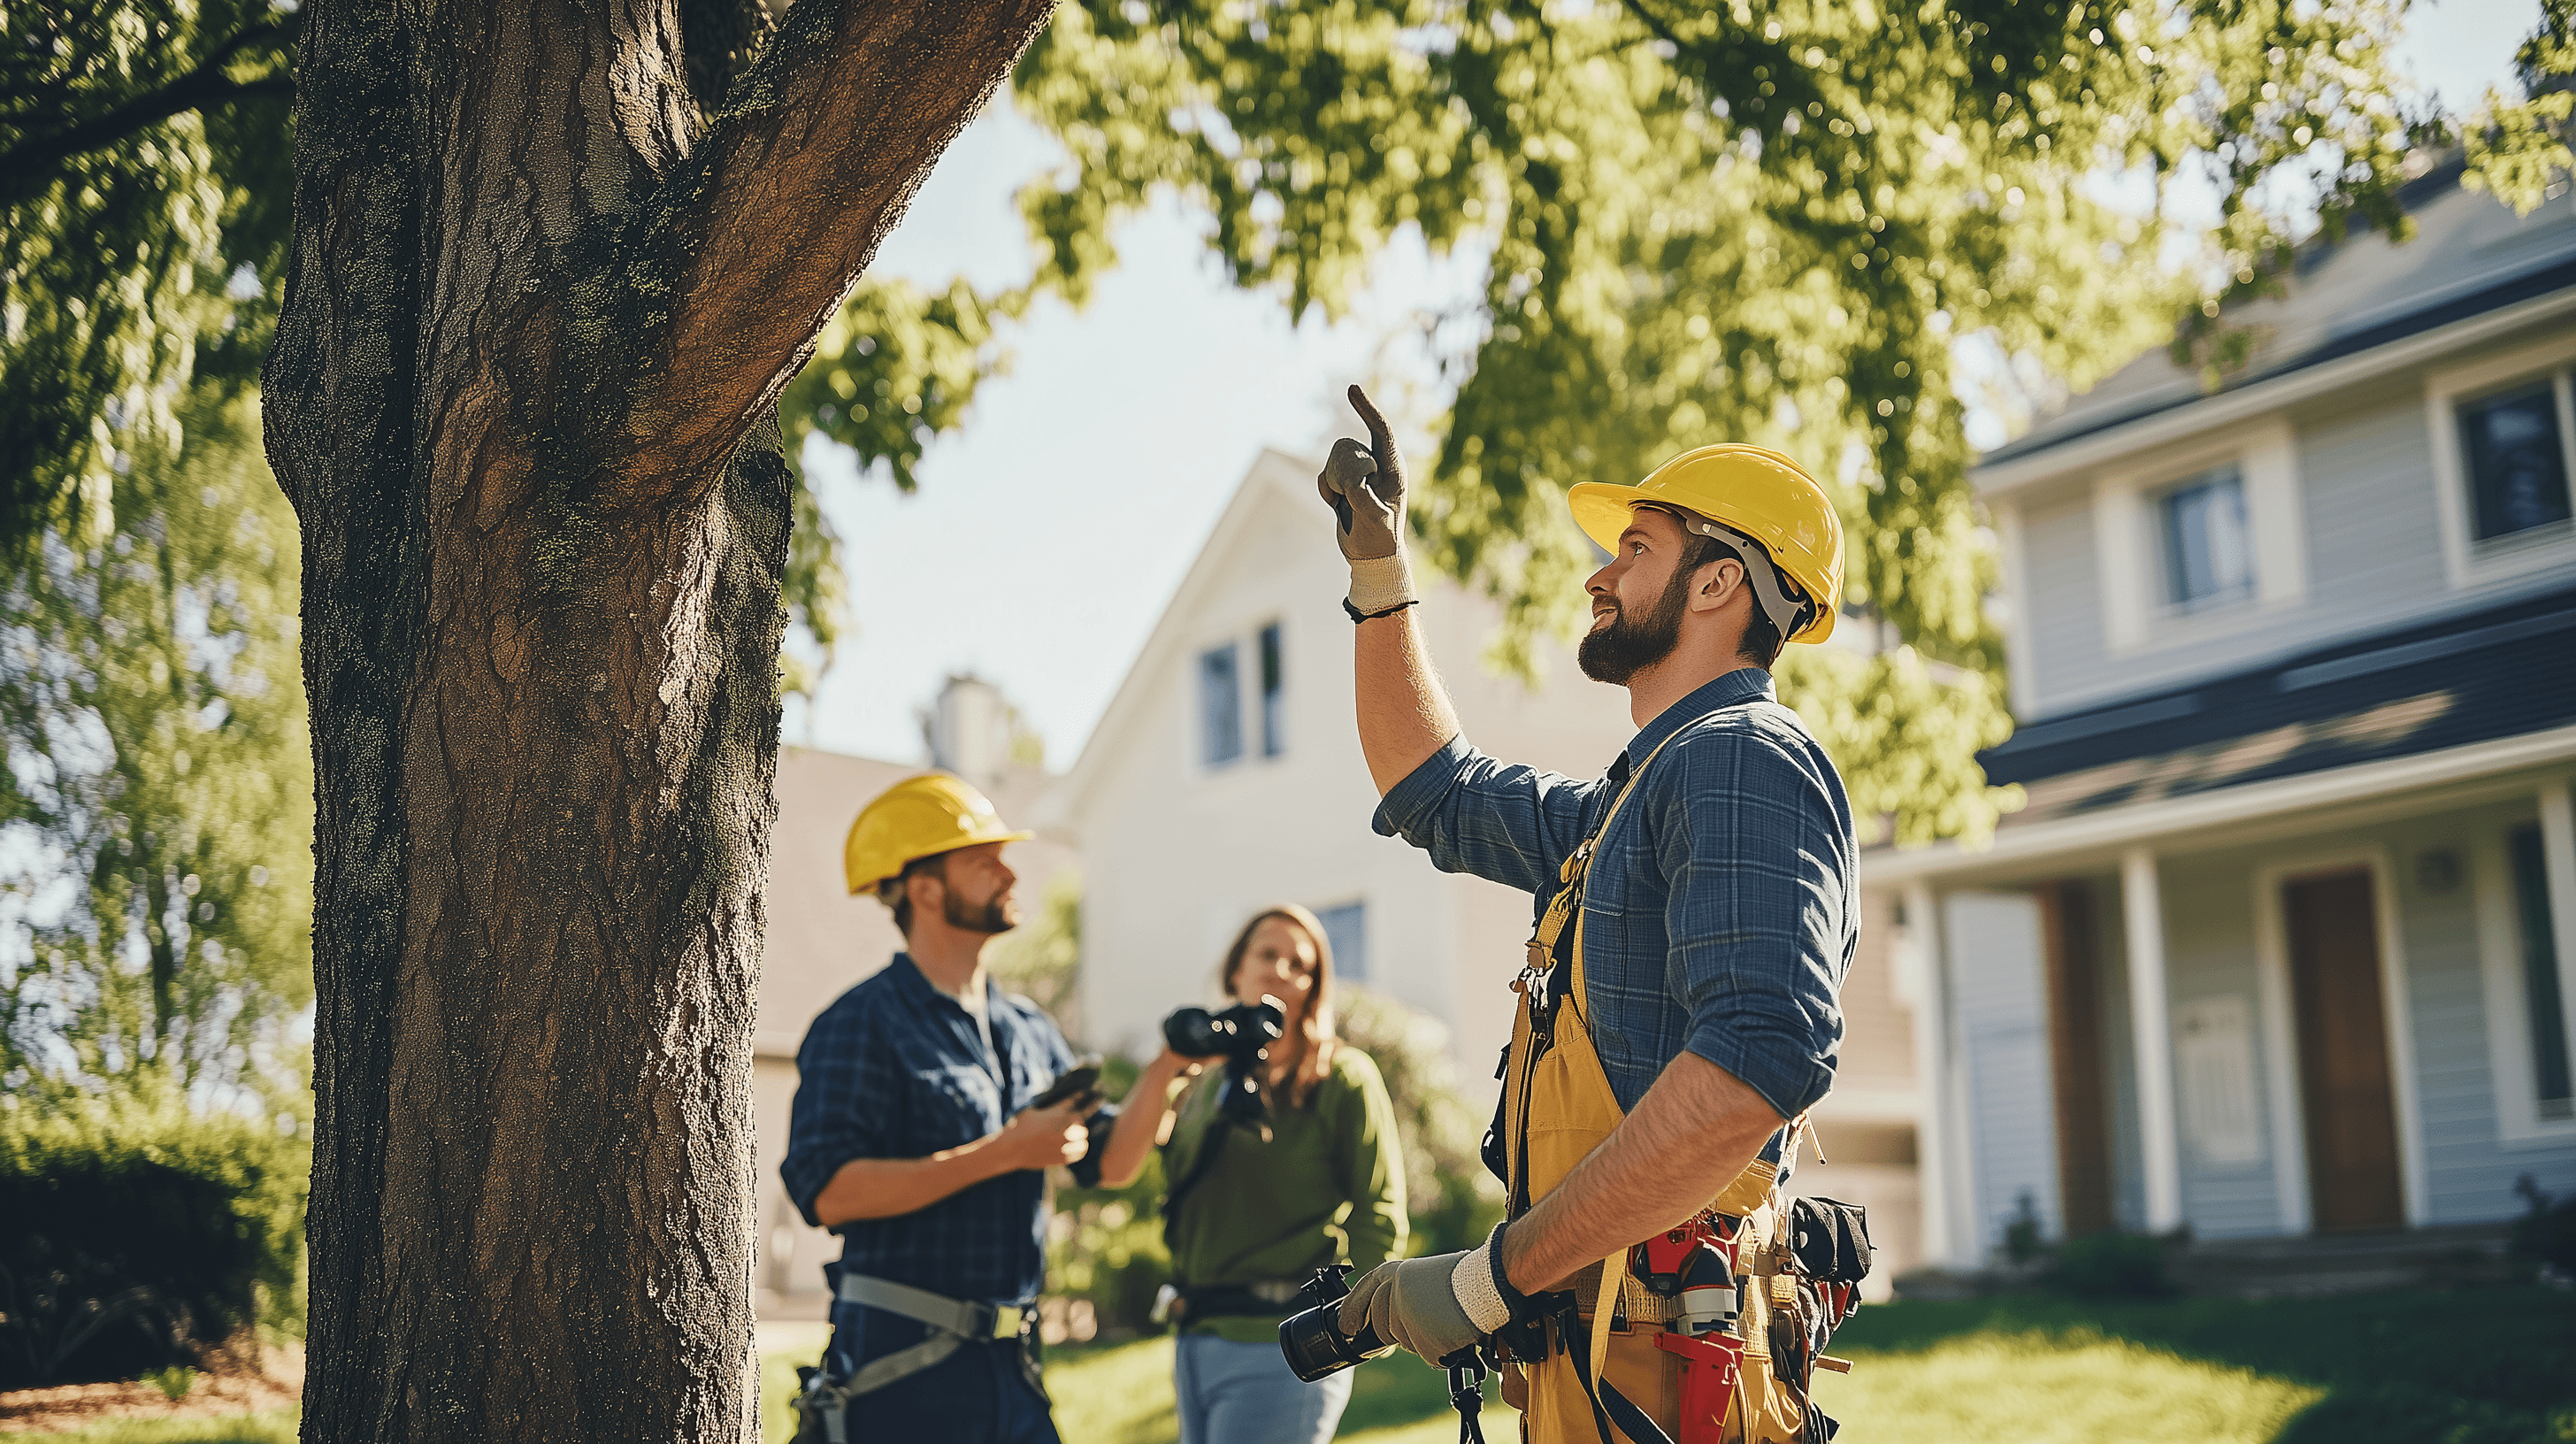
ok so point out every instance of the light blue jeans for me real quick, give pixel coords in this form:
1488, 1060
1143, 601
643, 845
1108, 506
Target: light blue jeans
1234, 1393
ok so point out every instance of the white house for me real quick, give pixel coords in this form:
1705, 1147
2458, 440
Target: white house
1227, 774
2282, 943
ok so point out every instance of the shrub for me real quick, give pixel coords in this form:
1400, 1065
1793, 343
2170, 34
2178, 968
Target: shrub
2111, 1266
1105, 1245
1454, 1201
140, 1234
2546, 1233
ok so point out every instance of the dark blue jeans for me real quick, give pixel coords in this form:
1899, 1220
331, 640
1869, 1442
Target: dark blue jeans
982, 1394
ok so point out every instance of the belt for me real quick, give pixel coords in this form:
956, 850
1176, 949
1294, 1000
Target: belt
1262, 1298
966, 1318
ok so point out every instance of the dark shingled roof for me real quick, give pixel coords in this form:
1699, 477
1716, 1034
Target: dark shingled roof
2473, 256
2490, 674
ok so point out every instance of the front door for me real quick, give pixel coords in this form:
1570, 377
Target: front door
2350, 1106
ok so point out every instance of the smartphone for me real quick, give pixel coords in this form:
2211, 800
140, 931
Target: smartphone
1083, 1077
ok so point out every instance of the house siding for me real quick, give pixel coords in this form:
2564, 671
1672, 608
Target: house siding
2469, 1171
2069, 650
2000, 1009
2373, 537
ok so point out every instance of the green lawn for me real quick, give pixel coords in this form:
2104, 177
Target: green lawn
277, 1426
2488, 1366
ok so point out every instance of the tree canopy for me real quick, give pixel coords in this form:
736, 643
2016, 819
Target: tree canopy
1755, 223
2518, 148
143, 205
1772, 224
158, 806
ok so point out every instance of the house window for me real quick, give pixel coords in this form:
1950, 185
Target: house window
2515, 459
2549, 1069
1220, 706
2209, 552
1346, 928
1274, 694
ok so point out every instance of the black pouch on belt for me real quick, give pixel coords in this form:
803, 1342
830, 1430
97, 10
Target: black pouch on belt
1830, 1239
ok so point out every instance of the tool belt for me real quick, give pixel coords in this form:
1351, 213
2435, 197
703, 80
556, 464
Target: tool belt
822, 1403
1746, 1294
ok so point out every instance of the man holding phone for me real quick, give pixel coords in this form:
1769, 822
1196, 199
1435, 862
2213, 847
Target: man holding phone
929, 1104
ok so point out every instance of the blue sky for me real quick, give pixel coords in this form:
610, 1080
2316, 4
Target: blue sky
1049, 531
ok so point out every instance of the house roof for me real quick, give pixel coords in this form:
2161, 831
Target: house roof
2498, 672
2472, 256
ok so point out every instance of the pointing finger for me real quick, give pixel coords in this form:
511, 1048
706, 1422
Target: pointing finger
1369, 413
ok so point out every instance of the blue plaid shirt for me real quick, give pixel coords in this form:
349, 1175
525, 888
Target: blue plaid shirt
1721, 909
897, 1069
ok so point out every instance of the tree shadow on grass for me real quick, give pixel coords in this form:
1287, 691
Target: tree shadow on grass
2476, 1366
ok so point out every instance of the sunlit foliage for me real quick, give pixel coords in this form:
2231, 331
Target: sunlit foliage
1736, 222
157, 812
2518, 148
143, 168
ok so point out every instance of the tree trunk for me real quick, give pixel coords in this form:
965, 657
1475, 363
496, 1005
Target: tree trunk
522, 396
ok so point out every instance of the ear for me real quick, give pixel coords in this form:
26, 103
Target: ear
911, 883
1716, 584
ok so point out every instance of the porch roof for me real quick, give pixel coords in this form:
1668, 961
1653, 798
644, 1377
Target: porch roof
2490, 674
2461, 705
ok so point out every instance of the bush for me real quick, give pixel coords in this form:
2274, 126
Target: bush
2111, 1266
1105, 1245
1454, 1201
140, 1235
2546, 1234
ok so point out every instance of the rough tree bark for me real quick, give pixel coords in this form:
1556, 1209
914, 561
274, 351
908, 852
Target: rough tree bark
522, 396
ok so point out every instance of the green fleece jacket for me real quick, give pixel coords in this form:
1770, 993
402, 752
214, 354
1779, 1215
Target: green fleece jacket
1327, 1188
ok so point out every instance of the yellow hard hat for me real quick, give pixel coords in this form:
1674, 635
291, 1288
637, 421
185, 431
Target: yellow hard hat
916, 818
1758, 494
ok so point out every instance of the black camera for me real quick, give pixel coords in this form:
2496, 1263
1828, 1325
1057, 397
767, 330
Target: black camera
1242, 1035
1312, 1338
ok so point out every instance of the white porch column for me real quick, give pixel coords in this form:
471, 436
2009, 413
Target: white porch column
1920, 976
2142, 904
2558, 861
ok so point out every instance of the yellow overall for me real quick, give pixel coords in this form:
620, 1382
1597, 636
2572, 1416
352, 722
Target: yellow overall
1558, 1107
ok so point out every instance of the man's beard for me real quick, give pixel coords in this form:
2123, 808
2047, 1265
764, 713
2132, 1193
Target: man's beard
1621, 650
988, 918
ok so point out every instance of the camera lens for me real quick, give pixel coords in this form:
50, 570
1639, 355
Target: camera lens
1311, 1347
1194, 1033
1312, 1340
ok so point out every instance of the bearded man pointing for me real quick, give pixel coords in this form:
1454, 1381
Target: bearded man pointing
1697, 915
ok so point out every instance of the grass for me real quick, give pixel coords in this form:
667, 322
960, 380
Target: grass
2489, 1366
275, 1426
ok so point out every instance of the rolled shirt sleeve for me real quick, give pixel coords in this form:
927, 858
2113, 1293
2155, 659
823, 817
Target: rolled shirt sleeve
1499, 821
1753, 845
844, 1090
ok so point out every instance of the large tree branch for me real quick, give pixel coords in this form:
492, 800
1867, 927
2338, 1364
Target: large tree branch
28, 167
818, 152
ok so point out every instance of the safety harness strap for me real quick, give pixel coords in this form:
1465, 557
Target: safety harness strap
966, 1318
1609, 1406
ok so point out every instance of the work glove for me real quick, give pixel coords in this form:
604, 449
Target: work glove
1433, 1306
1364, 484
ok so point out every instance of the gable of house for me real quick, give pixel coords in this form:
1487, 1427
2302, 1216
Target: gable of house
2157, 535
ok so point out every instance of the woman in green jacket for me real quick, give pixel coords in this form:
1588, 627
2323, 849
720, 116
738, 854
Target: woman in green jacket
1255, 1210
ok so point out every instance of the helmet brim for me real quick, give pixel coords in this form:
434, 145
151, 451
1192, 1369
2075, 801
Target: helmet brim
978, 840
